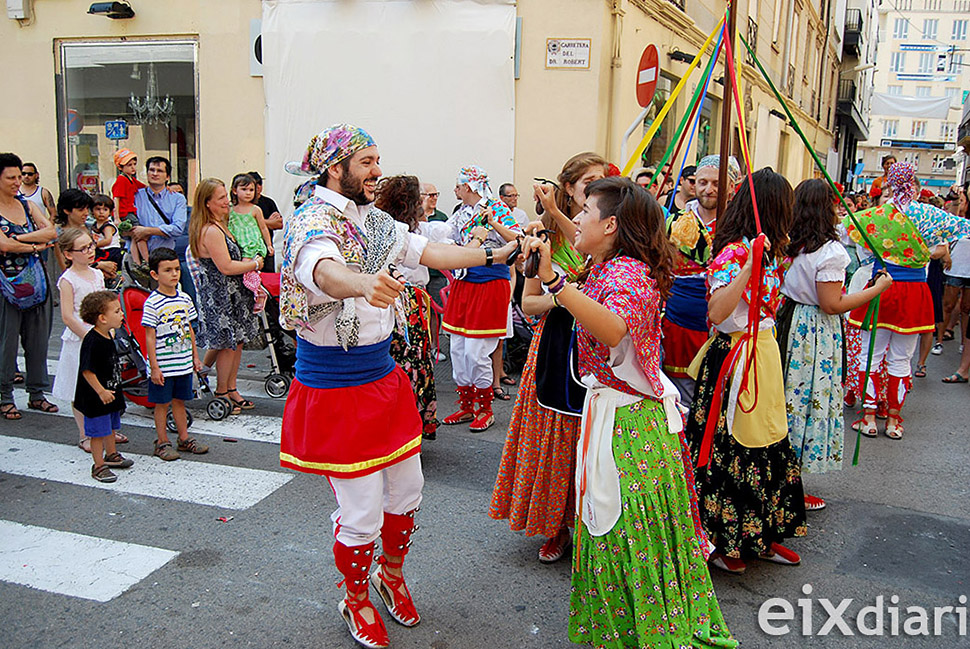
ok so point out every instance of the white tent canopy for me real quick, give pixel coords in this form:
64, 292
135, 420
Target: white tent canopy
431, 81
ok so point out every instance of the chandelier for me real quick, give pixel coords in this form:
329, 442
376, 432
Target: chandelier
150, 109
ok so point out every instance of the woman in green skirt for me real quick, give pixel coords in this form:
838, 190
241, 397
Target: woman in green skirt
640, 577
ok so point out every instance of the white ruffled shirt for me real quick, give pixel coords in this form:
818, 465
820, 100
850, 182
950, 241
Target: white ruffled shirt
827, 264
435, 231
375, 324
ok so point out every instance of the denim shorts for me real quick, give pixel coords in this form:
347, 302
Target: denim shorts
175, 387
959, 282
102, 426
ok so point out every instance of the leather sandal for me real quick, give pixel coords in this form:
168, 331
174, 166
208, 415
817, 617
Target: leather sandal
245, 404
43, 405
9, 412
373, 634
778, 553
555, 548
813, 503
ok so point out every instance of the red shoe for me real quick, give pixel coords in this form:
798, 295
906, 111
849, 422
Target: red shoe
354, 563
813, 503
372, 635
849, 399
727, 564
780, 554
466, 406
555, 548
396, 596
484, 418
882, 410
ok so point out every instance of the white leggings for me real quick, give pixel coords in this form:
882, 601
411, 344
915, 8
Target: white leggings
361, 502
471, 360
896, 348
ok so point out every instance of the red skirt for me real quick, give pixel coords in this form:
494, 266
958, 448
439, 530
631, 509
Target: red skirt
350, 432
478, 310
680, 347
905, 307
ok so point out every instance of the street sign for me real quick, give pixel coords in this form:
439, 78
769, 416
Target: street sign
568, 53
116, 129
74, 122
647, 73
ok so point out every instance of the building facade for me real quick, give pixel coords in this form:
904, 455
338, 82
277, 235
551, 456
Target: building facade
182, 79
923, 60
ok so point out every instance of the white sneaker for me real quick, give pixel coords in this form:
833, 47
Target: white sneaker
937, 349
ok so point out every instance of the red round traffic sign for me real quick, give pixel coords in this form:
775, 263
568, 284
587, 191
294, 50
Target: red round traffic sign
647, 74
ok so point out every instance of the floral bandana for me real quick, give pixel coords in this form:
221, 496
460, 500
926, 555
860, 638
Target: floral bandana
329, 147
902, 179
734, 169
476, 179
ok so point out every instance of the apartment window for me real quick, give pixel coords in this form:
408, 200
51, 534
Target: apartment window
927, 62
930, 28
904, 5
956, 63
960, 30
900, 28
952, 93
897, 61
922, 91
931, 5
890, 127
895, 90
961, 5
919, 128
948, 131
776, 22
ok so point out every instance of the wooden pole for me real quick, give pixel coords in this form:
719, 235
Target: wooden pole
722, 177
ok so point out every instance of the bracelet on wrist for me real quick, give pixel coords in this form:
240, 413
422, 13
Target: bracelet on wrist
555, 300
557, 288
488, 257
552, 281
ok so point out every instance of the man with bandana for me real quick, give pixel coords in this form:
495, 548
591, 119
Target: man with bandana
691, 231
477, 313
350, 414
903, 231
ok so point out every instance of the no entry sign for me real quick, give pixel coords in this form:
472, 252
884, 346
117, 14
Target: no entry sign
647, 73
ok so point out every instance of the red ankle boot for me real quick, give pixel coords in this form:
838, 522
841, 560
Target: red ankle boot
354, 563
395, 541
466, 406
484, 418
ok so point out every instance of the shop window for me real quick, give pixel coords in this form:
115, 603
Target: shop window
139, 95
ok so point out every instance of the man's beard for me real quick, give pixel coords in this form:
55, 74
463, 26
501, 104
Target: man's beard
353, 188
707, 202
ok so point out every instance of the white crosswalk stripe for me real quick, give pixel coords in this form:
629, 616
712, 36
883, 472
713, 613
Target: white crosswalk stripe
202, 483
256, 428
74, 564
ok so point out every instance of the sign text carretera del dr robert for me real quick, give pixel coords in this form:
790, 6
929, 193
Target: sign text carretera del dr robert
568, 53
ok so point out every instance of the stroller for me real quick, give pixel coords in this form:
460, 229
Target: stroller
130, 341
280, 343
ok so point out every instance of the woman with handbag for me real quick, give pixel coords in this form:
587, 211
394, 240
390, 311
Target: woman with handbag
534, 487
25, 307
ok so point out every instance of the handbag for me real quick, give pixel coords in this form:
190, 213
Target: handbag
558, 386
28, 288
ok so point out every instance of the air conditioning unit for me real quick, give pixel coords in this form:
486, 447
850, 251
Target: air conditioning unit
19, 9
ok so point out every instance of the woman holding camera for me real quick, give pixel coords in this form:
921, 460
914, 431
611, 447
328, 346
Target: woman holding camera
534, 487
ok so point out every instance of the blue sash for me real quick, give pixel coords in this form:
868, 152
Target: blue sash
687, 304
482, 274
332, 367
903, 273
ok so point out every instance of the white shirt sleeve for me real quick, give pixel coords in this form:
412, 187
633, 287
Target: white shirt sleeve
832, 262
306, 262
414, 245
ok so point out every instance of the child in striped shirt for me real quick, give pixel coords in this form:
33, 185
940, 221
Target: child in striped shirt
172, 355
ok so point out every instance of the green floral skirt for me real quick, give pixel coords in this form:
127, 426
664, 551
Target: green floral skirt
646, 583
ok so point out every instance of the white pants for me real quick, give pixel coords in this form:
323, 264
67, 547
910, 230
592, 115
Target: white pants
361, 502
471, 360
896, 348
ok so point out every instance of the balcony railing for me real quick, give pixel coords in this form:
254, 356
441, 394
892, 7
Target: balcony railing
847, 91
852, 37
677, 3
752, 39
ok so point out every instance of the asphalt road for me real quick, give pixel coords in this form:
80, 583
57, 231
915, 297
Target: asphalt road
897, 524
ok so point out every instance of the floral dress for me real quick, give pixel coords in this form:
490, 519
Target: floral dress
226, 317
645, 582
413, 352
749, 497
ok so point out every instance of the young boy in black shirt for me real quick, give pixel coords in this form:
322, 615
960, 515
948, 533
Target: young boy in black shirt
98, 396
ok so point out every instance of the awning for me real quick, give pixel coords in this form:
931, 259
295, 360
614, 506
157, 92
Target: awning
907, 106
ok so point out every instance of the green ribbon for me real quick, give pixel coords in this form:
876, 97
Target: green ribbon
872, 313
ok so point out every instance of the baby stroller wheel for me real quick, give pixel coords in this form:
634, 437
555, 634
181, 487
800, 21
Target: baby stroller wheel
218, 409
277, 385
170, 422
